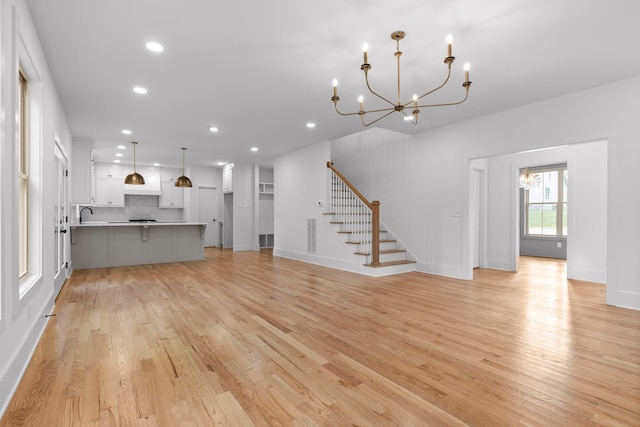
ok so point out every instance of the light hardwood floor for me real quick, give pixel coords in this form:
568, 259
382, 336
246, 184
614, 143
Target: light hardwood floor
246, 339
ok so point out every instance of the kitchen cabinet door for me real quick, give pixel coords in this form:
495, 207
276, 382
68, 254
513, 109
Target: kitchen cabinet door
171, 196
109, 192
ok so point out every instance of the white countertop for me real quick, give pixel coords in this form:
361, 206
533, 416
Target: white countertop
132, 224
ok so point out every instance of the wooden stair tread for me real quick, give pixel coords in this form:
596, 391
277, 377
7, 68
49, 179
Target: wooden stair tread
364, 231
363, 243
391, 263
386, 251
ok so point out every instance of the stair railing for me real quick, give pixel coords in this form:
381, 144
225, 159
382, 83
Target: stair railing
351, 208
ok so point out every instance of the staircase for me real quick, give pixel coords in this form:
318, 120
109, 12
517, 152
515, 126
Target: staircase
358, 220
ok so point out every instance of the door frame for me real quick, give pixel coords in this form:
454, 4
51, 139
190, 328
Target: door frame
62, 238
216, 220
478, 205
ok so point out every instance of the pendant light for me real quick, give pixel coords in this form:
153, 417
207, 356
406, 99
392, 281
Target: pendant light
183, 181
134, 178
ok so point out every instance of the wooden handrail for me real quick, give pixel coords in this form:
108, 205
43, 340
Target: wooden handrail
375, 216
346, 181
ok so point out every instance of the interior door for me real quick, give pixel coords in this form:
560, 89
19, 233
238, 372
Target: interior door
60, 220
208, 200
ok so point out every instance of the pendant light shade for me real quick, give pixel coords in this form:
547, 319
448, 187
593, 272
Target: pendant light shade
183, 181
134, 178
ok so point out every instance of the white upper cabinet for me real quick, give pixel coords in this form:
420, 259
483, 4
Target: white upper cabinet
82, 174
169, 174
108, 170
170, 195
227, 178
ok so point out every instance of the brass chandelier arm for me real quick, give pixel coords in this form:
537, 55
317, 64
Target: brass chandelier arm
366, 78
446, 104
379, 118
434, 89
363, 112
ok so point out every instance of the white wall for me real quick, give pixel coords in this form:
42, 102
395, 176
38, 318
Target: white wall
22, 319
422, 180
300, 182
418, 186
201, 176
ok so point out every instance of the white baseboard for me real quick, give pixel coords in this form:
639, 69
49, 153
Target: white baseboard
500, 264
13, 372
597, 276
343, 265
443, 270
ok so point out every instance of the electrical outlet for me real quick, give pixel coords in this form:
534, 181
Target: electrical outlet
559, 244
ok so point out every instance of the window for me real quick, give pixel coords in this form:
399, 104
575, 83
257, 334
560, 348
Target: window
546, 203
23, 176
28, 172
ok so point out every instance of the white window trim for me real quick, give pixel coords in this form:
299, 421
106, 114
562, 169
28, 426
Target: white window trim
35, 103
559, 204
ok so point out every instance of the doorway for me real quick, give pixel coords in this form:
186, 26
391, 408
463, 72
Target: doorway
477, 214
586, 257
208, 213
60, 220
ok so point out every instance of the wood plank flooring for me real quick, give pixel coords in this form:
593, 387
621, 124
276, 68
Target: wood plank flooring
247, 339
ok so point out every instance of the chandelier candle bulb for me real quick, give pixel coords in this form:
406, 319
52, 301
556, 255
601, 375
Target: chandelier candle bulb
365, 48
449, 42
466, 72
415, 101
361, 101
335, 87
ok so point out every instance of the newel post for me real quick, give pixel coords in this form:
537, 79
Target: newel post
375, 232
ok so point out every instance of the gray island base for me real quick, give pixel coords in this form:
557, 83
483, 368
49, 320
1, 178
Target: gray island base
95, 245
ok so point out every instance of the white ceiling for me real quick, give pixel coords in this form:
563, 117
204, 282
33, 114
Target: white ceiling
260, 70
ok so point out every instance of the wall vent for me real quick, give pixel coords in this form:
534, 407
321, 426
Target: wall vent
311, 235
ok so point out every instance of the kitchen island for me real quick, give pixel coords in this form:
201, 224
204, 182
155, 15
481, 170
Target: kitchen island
110, 244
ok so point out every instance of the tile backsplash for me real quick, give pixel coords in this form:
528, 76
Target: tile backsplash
135, 207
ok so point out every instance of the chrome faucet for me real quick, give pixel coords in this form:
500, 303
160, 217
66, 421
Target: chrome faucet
80, 214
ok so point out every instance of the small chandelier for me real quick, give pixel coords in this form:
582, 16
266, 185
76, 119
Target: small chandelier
529, 180
134, 178
183, 181
400, 106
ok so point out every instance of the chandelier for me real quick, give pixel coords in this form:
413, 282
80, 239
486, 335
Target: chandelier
529, 180
400, 106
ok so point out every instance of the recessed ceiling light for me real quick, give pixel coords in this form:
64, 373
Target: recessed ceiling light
222, 163
156, 164
118, 154
116, 161
121, 147
140, 90
213, 129
254, 148
311, 125
154, 47
126, 131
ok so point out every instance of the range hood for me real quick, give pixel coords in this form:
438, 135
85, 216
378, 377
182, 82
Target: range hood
151, 186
